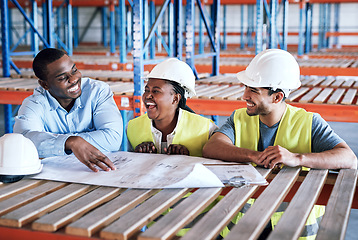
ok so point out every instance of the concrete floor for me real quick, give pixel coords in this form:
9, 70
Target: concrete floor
345, 130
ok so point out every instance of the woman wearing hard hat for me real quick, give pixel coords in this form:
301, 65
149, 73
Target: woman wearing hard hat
169, 126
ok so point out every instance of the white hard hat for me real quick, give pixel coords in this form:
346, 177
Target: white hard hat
173, 69
274, 68
18, 155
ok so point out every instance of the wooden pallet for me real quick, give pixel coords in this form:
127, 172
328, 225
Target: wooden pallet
39, 209
314, 89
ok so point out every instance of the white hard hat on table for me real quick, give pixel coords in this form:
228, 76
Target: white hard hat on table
274, 68
18, 156
173, 69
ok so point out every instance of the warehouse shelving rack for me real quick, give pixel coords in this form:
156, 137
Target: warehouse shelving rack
141, 38
144, 50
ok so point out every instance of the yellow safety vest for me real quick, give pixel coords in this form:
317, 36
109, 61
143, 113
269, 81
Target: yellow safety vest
294, 134
192, 131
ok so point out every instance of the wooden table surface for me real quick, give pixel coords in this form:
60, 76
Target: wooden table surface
39, 209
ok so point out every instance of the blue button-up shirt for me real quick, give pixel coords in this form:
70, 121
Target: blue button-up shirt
94, 117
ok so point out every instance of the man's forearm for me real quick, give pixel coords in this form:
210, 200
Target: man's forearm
219, 147
336, 158
106, 140
48, 144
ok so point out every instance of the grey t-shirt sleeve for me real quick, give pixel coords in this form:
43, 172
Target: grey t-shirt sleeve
323, 136
228, 128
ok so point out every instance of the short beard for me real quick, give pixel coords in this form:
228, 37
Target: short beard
251, 114
259, 111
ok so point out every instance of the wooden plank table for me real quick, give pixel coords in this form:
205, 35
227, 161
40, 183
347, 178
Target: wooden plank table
39, 209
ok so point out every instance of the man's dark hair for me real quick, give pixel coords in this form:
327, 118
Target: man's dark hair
43, 58
271, 91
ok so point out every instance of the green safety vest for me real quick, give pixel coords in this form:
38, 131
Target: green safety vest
192, 131
294, 134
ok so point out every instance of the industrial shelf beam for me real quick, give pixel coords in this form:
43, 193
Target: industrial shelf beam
104, 26
224, 44
301, 29
140, 46
48, 38
151, 22
101, 3
273, 24
75, 27
284, 25
213, 33
308, 35
242, 42
112, 34
215, 16
145, 26
268, 15
336, 22
122, 31
170, 30
5, 59
6, 52
190, 34
328, 24
178, 32
138, 65
259, 26
322, 26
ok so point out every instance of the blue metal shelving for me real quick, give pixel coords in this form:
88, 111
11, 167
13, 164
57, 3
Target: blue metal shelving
174, 46
135, 27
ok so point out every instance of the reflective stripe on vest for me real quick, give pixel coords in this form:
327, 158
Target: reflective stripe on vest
192, 131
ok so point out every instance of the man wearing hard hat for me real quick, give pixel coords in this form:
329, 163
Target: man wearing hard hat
269, 132
70, 114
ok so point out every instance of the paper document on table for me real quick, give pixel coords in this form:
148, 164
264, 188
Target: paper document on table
134, 170
200, 176
238, 175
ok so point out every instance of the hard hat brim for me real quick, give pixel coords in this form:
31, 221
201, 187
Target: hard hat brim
21, 171
242, 77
